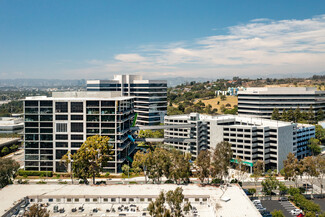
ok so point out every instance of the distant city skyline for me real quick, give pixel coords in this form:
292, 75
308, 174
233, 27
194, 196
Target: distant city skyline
161, 39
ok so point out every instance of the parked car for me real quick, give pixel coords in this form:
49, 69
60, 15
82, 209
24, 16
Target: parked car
247, 192
296, 211
283, 199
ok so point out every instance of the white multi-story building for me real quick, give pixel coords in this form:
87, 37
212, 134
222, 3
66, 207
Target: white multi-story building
261, 101
251, 138
61, 123
11, 125
150, 95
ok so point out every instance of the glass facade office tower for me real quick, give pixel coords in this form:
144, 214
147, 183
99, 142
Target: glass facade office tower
61, 123
150, 101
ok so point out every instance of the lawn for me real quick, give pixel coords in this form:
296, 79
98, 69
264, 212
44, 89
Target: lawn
232, 100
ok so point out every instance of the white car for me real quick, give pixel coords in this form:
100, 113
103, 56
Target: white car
296, 211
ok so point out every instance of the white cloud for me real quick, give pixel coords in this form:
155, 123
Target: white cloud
260, 47
131, 57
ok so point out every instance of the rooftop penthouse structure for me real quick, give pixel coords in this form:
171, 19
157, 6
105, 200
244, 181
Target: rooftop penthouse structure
61, 123
150, 101
261, 101
251, 138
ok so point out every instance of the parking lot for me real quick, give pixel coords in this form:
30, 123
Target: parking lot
284, 206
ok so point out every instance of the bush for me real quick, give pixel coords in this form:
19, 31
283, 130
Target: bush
217, 181
81, 182
20, 181
304, 204
107, 174
101, 182
35, 173
41, 182
133, 182
63, 183
169, 181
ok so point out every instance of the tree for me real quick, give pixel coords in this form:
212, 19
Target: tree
139, 161
174, 199
203, 162
311, 114
277, 213
269, 184
284, 116
282, 188
291, 168
126, 169
310, 169
275, 114
314, 146
5, 150
319, 132
37, 211
291, 115
223, 97
297, 114
66, 161
221, 157
320, 168
88, 160
14, 147
240, 169
8, 170
320, 115
258, 169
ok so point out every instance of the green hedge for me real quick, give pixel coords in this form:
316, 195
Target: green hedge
35, 173
304, 204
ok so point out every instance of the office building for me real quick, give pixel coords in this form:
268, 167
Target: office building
61, 123
260, 102
251, 138
150, 101
11, 125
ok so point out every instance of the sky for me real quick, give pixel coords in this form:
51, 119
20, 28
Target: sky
95, 39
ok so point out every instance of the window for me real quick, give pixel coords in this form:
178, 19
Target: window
61, 144
76, 200
94, 199
124, 199
105, 199
197, 199
77, 117
61, 107
76, 107
142, 199
87, 200
61, 117
131, 199
61, 127
205, 199
69, 200
76, 127
50, 199
76, 144
61, 137
149, 199
77, 137
60, 154
58, 200
113, 199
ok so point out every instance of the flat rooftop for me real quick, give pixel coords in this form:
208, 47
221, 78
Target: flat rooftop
8, 141
83, 95
280, 90
241, 118
238, 205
